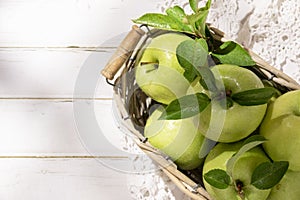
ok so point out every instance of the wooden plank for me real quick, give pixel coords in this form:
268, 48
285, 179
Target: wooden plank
57, 23
77, 179
62, 179
55, 127
53, 72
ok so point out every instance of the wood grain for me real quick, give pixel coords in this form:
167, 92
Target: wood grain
51, 72
61, 179
62, 23
43, 127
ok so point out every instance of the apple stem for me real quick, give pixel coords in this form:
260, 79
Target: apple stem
239, 188
228, 93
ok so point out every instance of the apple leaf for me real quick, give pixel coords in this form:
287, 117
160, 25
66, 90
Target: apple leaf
203, 43
254, 138
194, 5
198, 22
191, 54
229, 102
190, 74
198, 19
177, 20
206, 7
217, 178
201, 23
185, 107
248, 144
267, 174
255, 96
162, 21
178, 15
207, 80
232, 53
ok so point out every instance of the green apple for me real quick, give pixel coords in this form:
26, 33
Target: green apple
241, 173
158, 72
236, 122
179, 139
281, 128
287, 188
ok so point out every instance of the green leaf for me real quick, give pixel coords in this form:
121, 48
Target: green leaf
203, 43
190, 74
229, 102
177, 20
201, 23
217, 178
176, 12
191, 54
161, 21
255, 96
267, 175
254, 138
206, 7
250, 143
194, 5
198, 22
178, 15
207, 80
232, 53
186, 106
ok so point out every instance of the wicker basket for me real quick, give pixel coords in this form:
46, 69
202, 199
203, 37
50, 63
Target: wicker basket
133, 105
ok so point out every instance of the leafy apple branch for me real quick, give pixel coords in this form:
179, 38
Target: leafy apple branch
176, 19
195, 57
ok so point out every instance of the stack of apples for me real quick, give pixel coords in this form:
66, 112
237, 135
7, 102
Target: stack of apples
216, 113
244, 151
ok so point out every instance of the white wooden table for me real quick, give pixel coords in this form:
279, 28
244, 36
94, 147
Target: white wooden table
44, 45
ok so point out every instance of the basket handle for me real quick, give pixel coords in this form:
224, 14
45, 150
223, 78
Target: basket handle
123, 52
